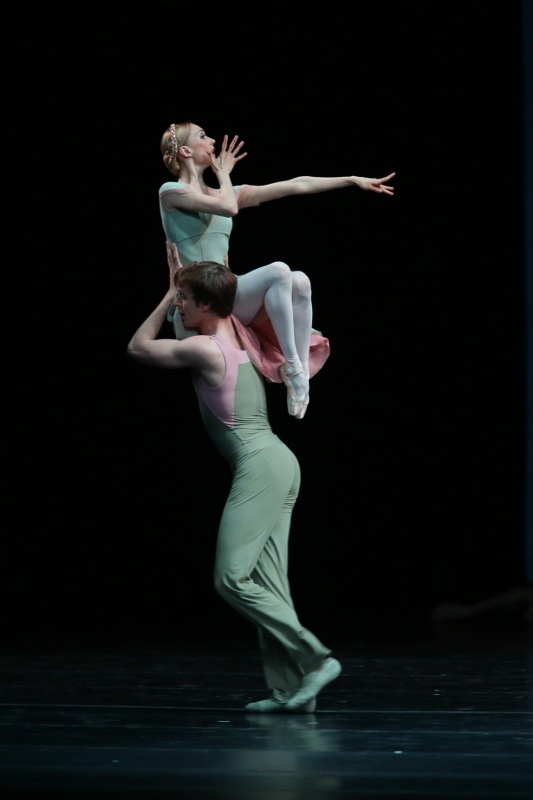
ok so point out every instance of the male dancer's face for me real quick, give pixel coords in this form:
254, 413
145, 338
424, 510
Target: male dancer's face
189, 310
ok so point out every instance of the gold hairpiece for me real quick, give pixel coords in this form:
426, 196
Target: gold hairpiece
174, 140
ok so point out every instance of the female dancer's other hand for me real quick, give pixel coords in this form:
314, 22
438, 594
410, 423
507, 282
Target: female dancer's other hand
377, 184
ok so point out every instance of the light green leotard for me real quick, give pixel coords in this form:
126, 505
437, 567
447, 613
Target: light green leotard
199, 236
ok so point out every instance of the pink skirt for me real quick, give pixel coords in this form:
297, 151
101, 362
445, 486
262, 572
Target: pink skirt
263, 348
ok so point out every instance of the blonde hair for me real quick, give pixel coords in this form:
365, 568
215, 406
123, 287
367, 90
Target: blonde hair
172, 139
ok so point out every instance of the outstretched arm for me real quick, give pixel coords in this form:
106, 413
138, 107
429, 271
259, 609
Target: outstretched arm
307, 184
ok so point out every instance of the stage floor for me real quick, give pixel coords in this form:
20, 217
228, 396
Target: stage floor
432, 711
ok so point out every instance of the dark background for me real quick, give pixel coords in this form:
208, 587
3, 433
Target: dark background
413, 447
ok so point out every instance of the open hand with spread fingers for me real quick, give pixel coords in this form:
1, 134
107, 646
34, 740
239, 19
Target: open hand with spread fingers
229, 154
377, 184
173, 261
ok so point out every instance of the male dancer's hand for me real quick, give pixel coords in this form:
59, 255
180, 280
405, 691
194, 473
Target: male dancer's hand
173, 261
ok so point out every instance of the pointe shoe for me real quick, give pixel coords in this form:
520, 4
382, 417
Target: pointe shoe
314, 682
270, 706
296, 380
302, 408
300, 411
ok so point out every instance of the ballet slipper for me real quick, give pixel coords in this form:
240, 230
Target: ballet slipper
270, 706
314, 682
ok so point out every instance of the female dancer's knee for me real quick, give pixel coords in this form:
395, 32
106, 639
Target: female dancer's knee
280, 272
301, 285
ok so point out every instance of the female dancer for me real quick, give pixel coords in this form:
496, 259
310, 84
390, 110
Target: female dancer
273, 303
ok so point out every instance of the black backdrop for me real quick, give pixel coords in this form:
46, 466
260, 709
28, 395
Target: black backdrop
412, 450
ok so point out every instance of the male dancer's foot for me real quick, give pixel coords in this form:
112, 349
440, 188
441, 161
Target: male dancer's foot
270, 706
314, 682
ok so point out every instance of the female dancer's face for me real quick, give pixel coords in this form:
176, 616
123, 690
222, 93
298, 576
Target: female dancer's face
201, 144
